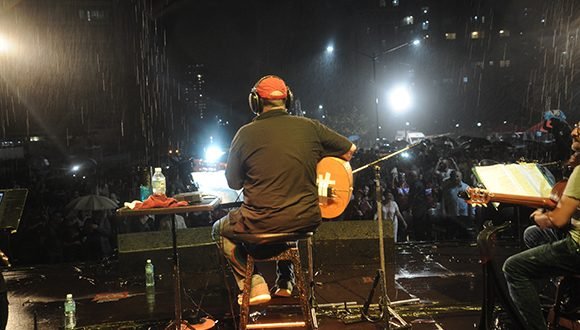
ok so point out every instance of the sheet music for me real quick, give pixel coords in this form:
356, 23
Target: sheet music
524, 179
11, 206
215, 183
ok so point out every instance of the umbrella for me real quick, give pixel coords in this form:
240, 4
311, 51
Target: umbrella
92, 203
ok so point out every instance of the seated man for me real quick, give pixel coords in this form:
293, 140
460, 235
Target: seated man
561, 257
274, 159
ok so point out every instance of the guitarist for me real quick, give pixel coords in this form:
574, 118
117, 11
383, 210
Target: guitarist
274, 159
534, 235
561, 257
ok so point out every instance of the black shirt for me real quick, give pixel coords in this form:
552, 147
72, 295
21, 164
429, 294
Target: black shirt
274, 159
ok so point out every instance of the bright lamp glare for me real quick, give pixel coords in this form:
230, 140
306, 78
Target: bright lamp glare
329, 49
213, 154
400, 99
416, 42
4, 45
75, 168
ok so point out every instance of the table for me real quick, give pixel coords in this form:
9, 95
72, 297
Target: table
206, 205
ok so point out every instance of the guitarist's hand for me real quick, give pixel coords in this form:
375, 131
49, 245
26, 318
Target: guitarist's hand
541, 219
4, 259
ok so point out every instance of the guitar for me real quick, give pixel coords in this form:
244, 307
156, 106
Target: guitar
334, 181
482, 197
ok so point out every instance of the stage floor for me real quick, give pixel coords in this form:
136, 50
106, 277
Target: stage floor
445, 277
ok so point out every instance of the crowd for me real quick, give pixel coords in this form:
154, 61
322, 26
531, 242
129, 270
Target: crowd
419, 193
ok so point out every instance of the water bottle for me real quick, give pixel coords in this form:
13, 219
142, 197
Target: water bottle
150, 296
149, 274
70, 320
158, 182
145, 183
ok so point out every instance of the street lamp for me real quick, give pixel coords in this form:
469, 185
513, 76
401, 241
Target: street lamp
374, 58
5, 45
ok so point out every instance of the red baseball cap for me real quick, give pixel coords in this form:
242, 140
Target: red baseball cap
272, 88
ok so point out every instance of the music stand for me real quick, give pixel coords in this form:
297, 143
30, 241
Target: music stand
206, 205
11, 207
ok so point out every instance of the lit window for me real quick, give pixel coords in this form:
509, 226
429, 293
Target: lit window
465, 79
475, 35
408, 20
425, 25
491, 63
504, 33
450, 36
504, 63
90, 15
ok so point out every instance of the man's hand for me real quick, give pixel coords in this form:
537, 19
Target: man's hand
541, 219
348, 155
4, 259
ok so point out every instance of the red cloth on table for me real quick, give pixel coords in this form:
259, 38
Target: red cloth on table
159, 201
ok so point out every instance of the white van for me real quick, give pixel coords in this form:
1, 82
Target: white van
410, 137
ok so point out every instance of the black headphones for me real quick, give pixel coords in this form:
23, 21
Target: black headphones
255, 101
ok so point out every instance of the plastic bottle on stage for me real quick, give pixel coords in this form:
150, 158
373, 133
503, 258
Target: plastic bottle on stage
149, 274
70, 319
158, 182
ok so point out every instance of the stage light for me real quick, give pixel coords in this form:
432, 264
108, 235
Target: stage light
5, 45
400, 99
329, 49
75, 168
213, 154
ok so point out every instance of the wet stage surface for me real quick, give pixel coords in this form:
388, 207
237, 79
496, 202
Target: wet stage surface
446, 279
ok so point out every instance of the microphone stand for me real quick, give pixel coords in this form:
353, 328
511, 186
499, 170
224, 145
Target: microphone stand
385, 308
393, 154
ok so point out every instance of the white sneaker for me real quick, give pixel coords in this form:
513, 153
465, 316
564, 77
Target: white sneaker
259, 294
284, 289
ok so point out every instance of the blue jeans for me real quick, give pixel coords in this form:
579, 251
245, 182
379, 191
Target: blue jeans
236, 252
535, 236
523, 269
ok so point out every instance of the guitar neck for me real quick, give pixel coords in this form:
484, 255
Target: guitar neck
535, 202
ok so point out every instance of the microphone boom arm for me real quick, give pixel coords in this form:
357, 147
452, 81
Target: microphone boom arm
387, 157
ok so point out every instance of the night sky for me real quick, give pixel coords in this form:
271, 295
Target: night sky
72, 76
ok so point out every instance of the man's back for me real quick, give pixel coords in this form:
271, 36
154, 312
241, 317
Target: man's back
274, 159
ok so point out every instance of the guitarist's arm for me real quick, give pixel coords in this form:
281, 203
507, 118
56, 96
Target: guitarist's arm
559, 216
348, 155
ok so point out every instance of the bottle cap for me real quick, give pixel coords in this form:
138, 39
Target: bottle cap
158, 169
69, 296
148, 261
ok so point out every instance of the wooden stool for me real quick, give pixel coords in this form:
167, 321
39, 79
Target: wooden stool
291, 254
557, 319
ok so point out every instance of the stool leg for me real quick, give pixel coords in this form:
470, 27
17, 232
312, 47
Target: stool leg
246, 292
312, 285
302, 289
